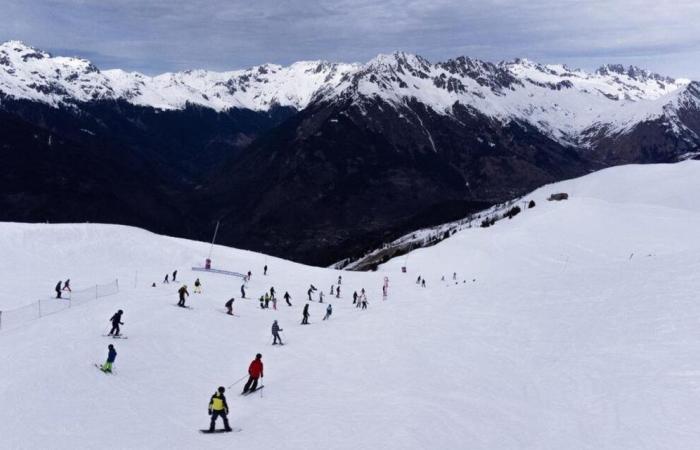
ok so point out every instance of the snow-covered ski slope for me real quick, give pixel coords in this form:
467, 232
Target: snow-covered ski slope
577, 326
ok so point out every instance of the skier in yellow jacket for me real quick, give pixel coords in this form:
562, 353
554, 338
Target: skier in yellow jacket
218, 407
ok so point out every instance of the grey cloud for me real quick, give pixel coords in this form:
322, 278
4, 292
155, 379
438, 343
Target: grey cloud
159, 35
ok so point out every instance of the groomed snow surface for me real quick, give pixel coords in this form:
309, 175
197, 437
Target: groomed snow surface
575, 325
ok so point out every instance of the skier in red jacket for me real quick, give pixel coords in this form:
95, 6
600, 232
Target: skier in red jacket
255, 371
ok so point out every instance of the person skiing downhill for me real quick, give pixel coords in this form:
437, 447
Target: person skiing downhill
166, 280
265, 270
332, 289
58, 290
255, 371
262, 299
243, 291
354, 298
272, 291
174, 275
305, 315
340, 280
229, 306
418, 280
307, 292
66, 285
423, 282
320, 297
329, 311
111, 356
182, 291
276, 333
267, 300
116, 321
364, 301
197, 286
218, 408
287, 297
337, 292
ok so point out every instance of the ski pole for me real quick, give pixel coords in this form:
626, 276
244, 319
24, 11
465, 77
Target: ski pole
237, 381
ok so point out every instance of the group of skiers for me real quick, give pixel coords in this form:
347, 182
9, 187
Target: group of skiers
166, 279
62, 286
218, 407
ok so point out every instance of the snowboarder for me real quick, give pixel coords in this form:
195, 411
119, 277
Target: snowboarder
166, 280
174, 276
255, 371
111, 356
265, 270
354, 298
243, 291
305, 314
287, 297
329, 311
182, 291
116, 321
340, 280
197, 286
320, 297
337, 292
58, 290
229, 306
218, 408
66, 285
276, 333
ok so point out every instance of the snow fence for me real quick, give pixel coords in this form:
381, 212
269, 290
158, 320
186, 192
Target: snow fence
15, 317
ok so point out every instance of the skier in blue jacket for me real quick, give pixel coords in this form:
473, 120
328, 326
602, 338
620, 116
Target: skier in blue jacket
111, 356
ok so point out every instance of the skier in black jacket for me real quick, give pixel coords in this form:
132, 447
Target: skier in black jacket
305, 314
229, 306
287, 297
58, 290
116, 321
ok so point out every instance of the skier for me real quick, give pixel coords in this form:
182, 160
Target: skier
418, 280
272, 291
274, 302
249, 275
182, 291
197, 286
218, 407
276, 333
354, 298
58, 290
116, 321
332, 289
267, 300
337, 292
255, 371
423, 282
454, 275
265, 270
329, 311
262, 299
229, 306
340, 280
287, 297
364, 301
308, 292
320, 297
243, 291
383, 291
166, 280
174, 276
111, 356
305, 314
66, 285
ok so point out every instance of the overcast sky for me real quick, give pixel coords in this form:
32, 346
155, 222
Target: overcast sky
154, 36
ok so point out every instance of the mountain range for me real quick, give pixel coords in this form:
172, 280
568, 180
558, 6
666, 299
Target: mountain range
318, 161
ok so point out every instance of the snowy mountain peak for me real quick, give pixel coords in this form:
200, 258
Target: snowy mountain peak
564, 103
